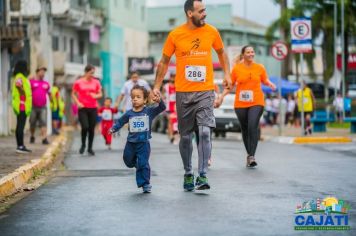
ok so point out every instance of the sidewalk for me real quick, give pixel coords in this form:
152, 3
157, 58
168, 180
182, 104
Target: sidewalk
16, 169
10, 160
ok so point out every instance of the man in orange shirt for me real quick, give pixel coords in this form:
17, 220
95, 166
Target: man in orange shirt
192, 44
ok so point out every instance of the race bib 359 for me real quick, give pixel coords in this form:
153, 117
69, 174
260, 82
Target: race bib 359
139, 124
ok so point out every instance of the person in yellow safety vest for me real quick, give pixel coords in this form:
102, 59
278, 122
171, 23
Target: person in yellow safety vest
308, 104
57, 108
21, 102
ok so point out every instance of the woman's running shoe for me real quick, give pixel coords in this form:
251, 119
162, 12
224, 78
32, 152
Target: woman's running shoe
251, 162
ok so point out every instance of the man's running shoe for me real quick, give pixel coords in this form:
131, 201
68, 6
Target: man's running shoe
23, 149
251, 162
202, 183
188, 182
147, 188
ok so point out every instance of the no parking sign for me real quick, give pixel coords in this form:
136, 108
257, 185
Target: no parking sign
279, 50
301, 35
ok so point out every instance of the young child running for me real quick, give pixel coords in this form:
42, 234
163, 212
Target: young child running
107, 120
137, 149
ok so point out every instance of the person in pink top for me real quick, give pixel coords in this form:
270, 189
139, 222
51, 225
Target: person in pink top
40, 90
86, 90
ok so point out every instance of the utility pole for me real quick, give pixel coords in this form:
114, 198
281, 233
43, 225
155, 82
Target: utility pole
335, 47
46, 48
343, 53
4, 80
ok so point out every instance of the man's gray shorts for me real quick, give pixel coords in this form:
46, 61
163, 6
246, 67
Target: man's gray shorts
38, 115
195, 109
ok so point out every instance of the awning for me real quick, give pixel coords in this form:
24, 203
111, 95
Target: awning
286, 86
11, 33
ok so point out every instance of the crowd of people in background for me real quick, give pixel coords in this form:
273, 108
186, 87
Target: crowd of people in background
29, 100
286, 110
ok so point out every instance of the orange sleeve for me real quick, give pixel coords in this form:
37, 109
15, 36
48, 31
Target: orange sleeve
264, 75
218, 43
169, 47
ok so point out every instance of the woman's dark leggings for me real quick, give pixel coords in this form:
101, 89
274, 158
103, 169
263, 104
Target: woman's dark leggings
20, 126
87, 120
249, 119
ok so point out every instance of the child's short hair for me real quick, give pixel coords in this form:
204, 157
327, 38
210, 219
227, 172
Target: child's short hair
108, 98
143, 89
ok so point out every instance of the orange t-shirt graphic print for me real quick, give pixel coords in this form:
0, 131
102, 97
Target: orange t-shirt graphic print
193, 51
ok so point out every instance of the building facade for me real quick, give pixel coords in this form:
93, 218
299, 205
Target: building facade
61, 39
12, 48
125, 36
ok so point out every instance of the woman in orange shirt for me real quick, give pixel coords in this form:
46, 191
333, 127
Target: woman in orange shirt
248, 75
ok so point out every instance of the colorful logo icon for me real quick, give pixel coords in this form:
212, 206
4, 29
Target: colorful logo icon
329, 213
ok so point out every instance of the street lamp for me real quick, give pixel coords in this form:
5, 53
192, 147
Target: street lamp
335, 43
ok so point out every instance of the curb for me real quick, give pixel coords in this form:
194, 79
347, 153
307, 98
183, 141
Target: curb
310, 140
13, 182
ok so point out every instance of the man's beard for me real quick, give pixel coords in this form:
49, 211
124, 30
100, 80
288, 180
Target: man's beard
197, 22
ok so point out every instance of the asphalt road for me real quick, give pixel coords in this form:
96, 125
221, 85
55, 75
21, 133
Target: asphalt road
98, 196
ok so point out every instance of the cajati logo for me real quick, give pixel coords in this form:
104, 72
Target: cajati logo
322, 214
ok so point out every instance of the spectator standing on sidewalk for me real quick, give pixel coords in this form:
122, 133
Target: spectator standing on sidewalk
192, 44
57, 107
338, 104
290, 110
347, 105
275, 108
21, 102
249, 100
268, 109
85, 93
309, 106
40, 90
134, 79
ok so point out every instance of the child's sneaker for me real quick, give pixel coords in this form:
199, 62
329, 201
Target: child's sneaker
147, 188
188, 184
202, 183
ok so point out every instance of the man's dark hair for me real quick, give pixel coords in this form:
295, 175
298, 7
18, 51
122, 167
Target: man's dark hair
143, 89
189, 5
108, 98
21, 67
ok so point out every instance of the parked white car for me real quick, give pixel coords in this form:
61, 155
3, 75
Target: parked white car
225, 117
